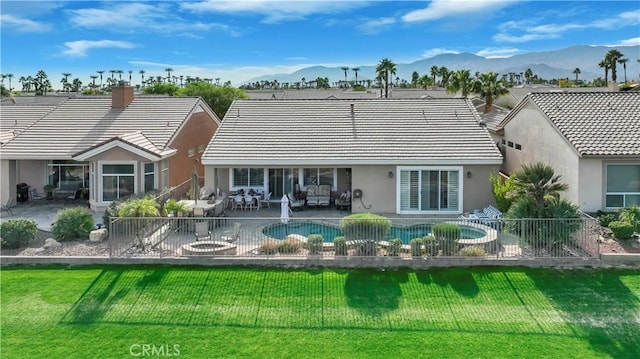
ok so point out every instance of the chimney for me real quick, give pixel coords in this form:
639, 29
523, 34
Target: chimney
121, 96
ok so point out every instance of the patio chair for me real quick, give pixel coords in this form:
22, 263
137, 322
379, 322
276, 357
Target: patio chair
237, 202
36, 196
295, 204
7, 206
202, 231
324, 195
231, 235
312, 195
266, 200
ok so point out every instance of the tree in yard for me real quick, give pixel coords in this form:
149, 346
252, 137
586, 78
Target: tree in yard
489, 87
577, 72
415, 77
603, 64
41, 83
385, 68
65, 81
460, 80
143, 209
345, 69
425, 81
623, 62
219, 98
444, 75
93, 80
537, 181
76, 85
159, 88
355, 70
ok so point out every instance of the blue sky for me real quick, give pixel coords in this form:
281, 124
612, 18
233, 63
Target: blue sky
238, 40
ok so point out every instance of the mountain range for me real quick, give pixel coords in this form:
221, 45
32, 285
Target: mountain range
555, 64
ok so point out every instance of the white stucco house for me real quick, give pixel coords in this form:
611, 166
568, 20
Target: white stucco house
591, 139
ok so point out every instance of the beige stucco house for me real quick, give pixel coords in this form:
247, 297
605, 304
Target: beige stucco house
111, 146
407, 156
592, 139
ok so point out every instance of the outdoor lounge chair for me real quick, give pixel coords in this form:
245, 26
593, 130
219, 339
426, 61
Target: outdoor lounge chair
324, 195
266, 200
232, 235
295, 204
202, 231
312, 195
344, 201
7, 206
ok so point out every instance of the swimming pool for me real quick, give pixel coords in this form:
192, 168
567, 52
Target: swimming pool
329, 232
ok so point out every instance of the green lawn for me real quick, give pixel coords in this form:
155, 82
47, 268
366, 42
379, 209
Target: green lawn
115, 312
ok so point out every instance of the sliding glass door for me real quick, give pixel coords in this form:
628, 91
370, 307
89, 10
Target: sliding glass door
430, 190
282, 180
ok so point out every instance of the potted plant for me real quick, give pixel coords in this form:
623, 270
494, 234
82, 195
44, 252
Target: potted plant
48, 189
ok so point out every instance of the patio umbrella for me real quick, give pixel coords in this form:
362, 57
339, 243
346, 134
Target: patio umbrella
284, 209
195, 181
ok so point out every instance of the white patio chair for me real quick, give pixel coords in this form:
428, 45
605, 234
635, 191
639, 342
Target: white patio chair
202, 231
266, 200
7, 206
231, 235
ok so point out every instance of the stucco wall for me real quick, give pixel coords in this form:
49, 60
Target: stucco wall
541, 143
477, 189
8, 180
591, 185
378, 190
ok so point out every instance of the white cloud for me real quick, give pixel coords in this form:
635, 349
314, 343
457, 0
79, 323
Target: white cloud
375, 26
438, 51
130, 17
273, 11
634, 41
22, 24
497, 52
438, 9
80, 47
525, 31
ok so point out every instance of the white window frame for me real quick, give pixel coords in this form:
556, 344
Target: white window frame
144, 172
265, 174
334, 173
623, 194
101, 175
399, 170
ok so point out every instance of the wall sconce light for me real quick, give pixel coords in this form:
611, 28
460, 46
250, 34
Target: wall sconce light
390, 174
469, 174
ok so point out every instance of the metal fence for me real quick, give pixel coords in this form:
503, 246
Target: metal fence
427, 238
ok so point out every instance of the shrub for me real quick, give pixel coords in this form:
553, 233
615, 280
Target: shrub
430, 245
607, 218
621, 230
17, 233
365, 230
73, 223
631, 215
340, 246
415, 247
314, 243
473, 251
268, 246
448, 235
290, 245
394, 247
175, 207
501, 189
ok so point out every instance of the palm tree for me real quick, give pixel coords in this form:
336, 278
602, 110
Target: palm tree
385, 68
130, 72
577, 72
9, 76
605, 65
444, 75
611, 58
434, 73
23, 80
623, 61
168, 70
66, 76
460, 80
142, 72
100, 72
119, 72
537, 181
489, 87
355, 70
113, 73
345, 69
528, 75
425, 81
93, 78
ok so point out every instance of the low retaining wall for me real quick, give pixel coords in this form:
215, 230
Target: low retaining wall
310, 261
620, 259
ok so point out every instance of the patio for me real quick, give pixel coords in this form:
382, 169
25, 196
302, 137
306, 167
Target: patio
44, 212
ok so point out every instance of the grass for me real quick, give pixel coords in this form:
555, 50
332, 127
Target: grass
113, 312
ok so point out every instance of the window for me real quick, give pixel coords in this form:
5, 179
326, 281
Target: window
164, 174
518, 147
201, 148
68, 171
430, 190
510, 144
316, 176
118, 181
248, 177
623, 186
149, 177
192, 152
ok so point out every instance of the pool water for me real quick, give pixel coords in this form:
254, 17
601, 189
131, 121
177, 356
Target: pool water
329, 232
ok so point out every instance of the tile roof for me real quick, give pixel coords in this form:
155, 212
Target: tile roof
81, 123
16, 119
595, 123
291, 132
